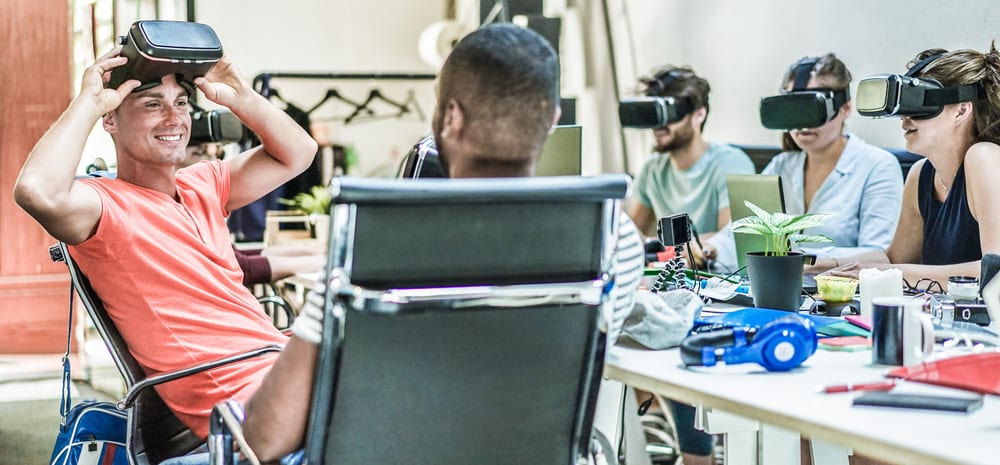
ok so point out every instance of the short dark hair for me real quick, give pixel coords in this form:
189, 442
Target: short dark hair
506, 79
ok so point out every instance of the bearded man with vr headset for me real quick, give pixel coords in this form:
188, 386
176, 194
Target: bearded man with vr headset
686, 173
949, 104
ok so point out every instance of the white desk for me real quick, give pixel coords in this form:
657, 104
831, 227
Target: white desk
788, 402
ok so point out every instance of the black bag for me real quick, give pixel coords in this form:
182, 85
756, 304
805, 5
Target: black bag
90, 432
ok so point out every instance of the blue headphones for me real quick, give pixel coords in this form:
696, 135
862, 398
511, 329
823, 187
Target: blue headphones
780, 345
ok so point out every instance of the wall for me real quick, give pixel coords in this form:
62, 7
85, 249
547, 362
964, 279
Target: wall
743, 48
33, 290
322, 36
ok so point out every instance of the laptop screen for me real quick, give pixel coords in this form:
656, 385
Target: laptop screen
561, 153
763, 190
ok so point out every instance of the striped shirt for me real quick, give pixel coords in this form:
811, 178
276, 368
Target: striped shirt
628, 265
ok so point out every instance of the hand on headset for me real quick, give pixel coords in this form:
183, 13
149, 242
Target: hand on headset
780, 345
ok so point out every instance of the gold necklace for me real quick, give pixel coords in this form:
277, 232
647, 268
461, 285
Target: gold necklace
940, 182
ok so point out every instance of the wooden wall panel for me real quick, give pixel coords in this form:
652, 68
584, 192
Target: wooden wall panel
35, 89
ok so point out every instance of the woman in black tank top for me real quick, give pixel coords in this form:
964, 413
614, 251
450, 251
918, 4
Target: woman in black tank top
951, 199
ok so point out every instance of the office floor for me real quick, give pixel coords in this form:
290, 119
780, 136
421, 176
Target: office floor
30, 387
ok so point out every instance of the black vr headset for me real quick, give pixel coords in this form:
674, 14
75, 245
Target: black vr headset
802, 108
219, 126
908, 95
654, 111
157, 48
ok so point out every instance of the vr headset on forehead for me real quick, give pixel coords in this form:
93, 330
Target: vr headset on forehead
158, 48
908, 95
802, 108
654, 110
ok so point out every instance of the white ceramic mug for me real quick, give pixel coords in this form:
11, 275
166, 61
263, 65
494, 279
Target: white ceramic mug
902, 334
873, 282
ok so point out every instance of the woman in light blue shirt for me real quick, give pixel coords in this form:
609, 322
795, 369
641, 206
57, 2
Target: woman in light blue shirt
826, 170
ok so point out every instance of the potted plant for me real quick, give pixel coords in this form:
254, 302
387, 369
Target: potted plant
316, 205
776, 272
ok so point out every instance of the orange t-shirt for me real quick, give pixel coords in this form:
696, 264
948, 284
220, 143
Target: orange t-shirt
167, 274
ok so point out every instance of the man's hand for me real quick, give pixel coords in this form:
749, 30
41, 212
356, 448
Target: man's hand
96, 77
222, 84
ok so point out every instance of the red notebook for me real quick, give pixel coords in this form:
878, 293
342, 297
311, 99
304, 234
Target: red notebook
860, 321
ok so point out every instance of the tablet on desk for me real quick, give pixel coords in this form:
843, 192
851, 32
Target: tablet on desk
764, 191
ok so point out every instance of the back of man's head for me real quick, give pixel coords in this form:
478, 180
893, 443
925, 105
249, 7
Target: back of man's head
505, 81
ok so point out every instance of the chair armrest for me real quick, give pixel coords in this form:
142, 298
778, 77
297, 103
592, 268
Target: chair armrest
137, 388
601, 452
225, 425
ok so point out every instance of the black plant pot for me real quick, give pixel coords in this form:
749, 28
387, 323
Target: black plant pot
775, 282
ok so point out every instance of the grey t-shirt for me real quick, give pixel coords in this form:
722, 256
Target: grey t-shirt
700, 191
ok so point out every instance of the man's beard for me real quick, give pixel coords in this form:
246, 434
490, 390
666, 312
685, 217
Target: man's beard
681, 138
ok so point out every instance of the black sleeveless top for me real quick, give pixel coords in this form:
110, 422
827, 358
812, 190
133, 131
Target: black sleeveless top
951, 234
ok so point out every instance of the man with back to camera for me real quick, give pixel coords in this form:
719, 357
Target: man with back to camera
686, 173
498, 98
154, 241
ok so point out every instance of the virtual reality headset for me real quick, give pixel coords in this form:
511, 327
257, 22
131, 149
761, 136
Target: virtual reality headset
157, 48
802, 108
903, 95
908, 95
220, 126
652, 111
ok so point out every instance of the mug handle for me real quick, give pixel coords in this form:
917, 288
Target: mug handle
926, 334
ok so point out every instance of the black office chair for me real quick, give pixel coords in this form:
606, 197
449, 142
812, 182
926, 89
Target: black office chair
463, 322
154, 432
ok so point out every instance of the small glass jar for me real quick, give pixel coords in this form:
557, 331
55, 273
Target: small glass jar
963, 287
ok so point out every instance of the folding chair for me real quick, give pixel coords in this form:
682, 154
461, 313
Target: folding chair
463, 322
155, 434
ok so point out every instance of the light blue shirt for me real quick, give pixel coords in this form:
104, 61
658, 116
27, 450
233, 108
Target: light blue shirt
700, 191
864, 191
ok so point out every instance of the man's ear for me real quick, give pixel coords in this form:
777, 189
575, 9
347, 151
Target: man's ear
698, 116
453, 120
555, 119
109, 122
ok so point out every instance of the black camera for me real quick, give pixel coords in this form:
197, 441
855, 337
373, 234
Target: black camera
220, 126
674, 230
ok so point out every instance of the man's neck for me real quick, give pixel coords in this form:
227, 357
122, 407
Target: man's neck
685, 157
161, 179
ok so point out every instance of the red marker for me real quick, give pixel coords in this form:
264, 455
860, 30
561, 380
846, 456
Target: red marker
879, 386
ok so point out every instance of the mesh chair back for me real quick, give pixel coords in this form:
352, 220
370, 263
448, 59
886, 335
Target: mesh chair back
460, 376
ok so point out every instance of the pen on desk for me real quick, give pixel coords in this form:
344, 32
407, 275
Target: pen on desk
877, 386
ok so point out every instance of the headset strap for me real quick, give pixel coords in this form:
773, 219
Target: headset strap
803, 71
950, 95
922, 64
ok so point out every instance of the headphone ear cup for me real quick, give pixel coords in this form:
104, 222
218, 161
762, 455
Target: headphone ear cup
692, 346
785, 343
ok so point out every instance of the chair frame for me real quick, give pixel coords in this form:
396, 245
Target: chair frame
342, 298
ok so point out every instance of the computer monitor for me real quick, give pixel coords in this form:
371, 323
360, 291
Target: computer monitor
561, 153
560, 156
764, 191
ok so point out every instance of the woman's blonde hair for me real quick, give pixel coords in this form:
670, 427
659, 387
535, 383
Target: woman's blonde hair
968, 66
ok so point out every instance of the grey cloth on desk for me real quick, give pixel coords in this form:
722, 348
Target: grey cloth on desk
661, 320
